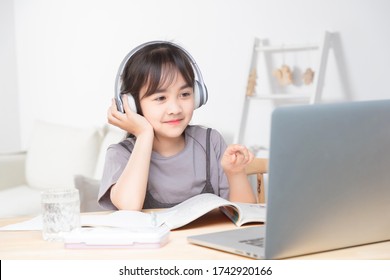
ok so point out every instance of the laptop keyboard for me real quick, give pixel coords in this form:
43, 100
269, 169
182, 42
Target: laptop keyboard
258, 242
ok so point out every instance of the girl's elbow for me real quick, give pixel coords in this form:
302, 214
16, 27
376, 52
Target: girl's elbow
127, 205
124, 203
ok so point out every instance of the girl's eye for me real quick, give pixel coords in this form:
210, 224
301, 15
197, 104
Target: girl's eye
186, 94
160, 98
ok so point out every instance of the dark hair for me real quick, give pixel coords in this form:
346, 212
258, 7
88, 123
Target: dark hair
154, 65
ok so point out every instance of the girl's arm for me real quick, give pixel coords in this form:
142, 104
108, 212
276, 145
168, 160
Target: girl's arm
129, 191
234, 161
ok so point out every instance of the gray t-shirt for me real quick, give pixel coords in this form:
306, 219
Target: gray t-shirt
171, 179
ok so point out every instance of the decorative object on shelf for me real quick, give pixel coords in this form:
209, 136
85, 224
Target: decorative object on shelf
308, 76
283, 75
250, 89
265, 55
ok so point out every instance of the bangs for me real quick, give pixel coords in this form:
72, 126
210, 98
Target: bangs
163, 66
162, 77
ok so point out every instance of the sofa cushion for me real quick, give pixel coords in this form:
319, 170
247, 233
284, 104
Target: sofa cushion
20, 201
88, 190
12, 169
58, 152
111, 135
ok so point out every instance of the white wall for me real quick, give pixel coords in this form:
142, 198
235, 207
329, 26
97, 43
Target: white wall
10, 139
68, 51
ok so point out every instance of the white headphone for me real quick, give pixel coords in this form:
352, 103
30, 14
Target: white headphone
200, 90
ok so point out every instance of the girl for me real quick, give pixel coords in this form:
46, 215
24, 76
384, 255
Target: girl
165, 160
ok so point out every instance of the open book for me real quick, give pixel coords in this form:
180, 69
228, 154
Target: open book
181, 214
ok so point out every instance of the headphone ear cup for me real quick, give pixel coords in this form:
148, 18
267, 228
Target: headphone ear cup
199, 95
130, 101
196, 95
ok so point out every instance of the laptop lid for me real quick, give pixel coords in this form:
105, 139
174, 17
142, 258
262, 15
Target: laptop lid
329, 179
329, 182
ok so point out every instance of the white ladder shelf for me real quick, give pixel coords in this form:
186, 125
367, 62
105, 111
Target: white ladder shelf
313, 97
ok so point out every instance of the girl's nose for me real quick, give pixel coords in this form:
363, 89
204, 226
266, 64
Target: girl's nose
174, 107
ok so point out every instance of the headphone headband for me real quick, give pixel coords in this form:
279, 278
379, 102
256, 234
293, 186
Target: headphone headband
200, 87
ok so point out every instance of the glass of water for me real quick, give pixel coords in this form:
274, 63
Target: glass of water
60, 213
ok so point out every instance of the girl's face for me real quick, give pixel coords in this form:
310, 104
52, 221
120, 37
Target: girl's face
169, 110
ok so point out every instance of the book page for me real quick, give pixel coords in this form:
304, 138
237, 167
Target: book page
190, 209
31, 224
250, 212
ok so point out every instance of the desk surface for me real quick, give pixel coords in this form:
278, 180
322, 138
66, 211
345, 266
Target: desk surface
30, 245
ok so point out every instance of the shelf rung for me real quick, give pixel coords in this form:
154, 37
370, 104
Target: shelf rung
282, 48
281, 96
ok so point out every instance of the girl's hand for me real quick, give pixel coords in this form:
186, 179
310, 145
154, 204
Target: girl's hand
129, 121
235, 159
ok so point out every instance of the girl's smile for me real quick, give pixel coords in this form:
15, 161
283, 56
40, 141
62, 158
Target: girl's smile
174, 122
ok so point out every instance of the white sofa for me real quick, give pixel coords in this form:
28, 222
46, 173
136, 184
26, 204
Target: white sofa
58, 156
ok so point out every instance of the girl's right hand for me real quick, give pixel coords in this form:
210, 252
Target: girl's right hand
129, 121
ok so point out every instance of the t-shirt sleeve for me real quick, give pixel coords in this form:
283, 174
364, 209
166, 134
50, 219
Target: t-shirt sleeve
219, 145
115, 162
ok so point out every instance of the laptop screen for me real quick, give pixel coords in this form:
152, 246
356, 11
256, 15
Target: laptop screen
329, 179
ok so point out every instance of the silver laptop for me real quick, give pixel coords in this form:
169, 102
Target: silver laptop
329, 183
